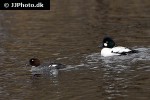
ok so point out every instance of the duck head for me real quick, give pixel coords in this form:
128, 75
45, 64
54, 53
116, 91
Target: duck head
108, 42
34, 62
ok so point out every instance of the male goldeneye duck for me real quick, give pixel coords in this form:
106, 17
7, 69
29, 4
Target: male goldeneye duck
109, 48
37, 68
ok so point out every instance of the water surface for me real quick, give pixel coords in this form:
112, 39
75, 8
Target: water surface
70, 34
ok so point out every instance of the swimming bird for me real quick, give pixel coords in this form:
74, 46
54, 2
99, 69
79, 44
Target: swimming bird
51, 68
109, 48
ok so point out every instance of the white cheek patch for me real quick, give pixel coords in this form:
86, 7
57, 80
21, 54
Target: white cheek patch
105, 44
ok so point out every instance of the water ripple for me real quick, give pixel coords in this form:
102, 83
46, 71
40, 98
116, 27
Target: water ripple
119, 61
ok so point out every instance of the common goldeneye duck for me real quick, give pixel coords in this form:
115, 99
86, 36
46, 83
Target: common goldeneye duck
37, 68
109, 48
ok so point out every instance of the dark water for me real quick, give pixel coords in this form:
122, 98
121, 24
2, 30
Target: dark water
70, 34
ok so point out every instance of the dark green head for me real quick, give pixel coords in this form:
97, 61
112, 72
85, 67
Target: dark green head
108, 42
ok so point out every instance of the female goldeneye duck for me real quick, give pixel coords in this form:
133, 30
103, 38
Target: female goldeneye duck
37, 68
109, 48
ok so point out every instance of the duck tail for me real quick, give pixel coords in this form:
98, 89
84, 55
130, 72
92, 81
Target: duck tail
134, 51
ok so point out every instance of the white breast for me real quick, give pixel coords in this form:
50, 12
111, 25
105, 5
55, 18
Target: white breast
107, 52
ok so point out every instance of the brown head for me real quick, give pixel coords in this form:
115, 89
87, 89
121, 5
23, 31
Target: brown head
34, 62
